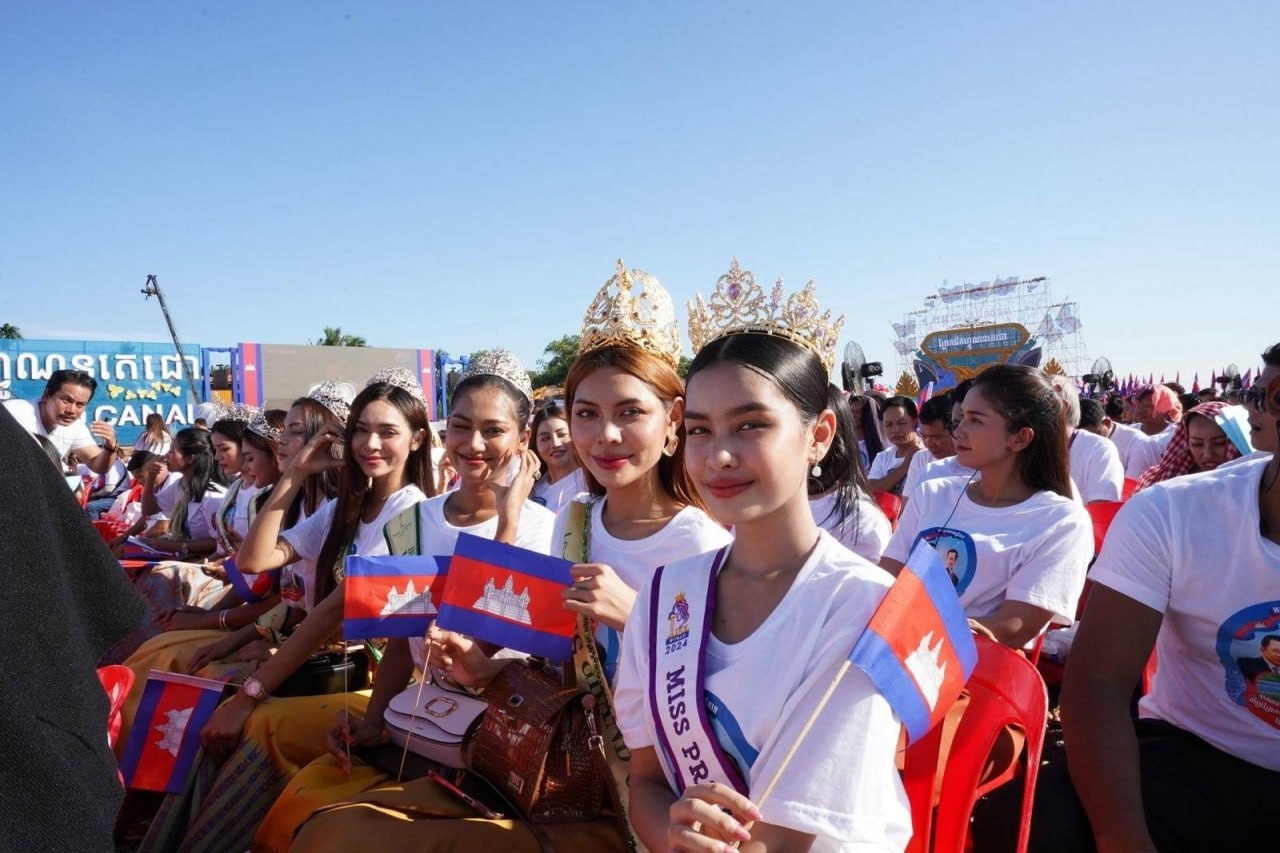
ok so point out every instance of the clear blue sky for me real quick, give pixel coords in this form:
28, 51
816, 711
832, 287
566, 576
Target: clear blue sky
463, 175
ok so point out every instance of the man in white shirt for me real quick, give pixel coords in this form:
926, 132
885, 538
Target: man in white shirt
935, 432
1159, 411
59, 416
1095, 462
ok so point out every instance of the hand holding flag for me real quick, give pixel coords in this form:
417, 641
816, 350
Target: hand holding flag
165, 736
508, 596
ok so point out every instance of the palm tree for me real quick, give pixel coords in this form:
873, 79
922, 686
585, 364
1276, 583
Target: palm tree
333, 337
10, 332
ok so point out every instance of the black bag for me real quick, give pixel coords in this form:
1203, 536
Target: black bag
330, 671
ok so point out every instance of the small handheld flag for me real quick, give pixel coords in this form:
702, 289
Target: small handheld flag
917, 648
165, 736
391, 596
252, 588
509, 596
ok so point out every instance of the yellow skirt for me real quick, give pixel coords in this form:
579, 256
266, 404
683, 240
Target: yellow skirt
422, 815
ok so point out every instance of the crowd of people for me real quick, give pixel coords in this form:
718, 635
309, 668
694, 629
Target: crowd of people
752, 493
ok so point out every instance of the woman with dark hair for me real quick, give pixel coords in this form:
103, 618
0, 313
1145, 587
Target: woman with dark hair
759, 430
840, 496
385, 468
561, 477
1022, 543
192, 496
899, 417
1198, 444
226, 436
485, 440
156, 437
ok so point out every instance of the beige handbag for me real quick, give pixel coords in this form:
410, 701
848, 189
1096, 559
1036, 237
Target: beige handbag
434, 720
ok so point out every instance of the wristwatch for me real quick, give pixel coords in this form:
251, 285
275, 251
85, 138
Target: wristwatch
253, 688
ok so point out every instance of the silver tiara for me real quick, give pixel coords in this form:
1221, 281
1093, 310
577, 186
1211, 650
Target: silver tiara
503, 364
258, 425
400, 378
335, 396
238, 412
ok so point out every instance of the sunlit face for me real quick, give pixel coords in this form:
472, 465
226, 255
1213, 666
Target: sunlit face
177, 461
899, 426
66, 405
1207, 442
982, 436
482, 435
1262, 424
382, 440
619, 427
748, 448
258, 467
226, 453
294, 437
554, 446
937, 440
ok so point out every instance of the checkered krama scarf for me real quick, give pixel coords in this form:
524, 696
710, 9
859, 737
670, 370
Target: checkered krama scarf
1176, 460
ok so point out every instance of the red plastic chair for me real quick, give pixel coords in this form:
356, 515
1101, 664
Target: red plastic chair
1005, 689
891, 506
1102, 513
1130, 486
117, 680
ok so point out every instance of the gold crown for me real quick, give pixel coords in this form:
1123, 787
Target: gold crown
739, 306
632, 310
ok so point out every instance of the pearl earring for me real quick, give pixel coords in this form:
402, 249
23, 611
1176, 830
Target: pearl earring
816, 470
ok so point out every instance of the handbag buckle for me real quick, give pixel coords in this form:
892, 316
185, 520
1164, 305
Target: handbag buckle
433, 708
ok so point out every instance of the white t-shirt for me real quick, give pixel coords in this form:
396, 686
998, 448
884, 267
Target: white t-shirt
886, 460
842, 785
66, 438
1123, 437
1146, 451
1095, 467
1036, 552
439, 537
200, 513
307, 537
239, 521
933, 469
915, 470
298, 579
555, 495
160, 448
690, 532
867, 538
1191, 549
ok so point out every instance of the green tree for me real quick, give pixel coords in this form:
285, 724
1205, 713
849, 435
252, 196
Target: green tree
333, 337
10, 332
682, 367
553, 370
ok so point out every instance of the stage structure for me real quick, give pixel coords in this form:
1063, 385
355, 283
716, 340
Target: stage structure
964, 328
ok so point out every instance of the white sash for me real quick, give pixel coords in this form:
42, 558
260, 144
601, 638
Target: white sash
679, 629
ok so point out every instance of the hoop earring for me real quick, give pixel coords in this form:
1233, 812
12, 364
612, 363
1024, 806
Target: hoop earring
673, 444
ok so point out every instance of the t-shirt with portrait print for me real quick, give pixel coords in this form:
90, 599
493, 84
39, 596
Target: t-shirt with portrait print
1036, 551
1191, 548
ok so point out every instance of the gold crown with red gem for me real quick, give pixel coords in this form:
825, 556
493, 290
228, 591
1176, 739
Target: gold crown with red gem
739, 306
632, 309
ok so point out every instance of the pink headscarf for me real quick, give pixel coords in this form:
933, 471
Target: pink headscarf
1176, 460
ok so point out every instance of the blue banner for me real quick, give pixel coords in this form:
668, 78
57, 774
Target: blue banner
134, 379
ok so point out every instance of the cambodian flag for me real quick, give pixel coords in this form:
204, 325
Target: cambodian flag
926, 393
509, 596
252, 588
918, 649
166, 731
391, 596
